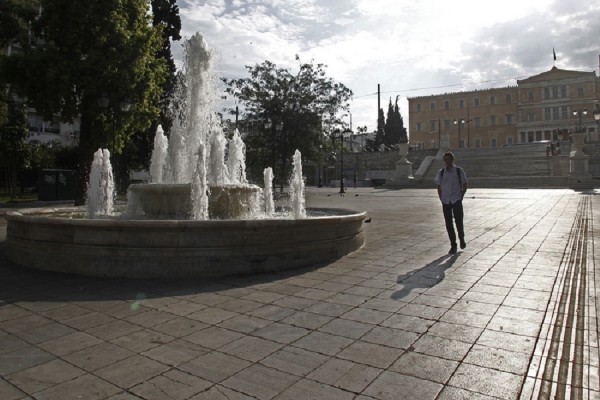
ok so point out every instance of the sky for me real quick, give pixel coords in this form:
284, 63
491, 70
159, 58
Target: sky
409, 48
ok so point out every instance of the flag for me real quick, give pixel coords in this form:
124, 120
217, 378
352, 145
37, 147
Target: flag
554, 53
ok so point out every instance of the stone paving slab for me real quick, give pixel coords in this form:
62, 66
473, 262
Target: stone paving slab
512, 316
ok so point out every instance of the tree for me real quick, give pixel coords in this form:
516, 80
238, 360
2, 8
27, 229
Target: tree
86, 51
301, 104
380, 136
388, 128
15, 19
165, 15
13, 144
395, 132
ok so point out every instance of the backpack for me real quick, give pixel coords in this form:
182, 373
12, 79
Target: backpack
458, 171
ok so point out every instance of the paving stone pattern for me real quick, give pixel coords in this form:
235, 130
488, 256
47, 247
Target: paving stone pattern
512, 316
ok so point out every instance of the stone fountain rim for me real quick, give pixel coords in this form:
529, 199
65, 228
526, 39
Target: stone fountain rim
177, 248
40, 215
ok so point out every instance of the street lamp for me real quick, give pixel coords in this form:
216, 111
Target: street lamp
597, 118
320, 175
459, 122
124, 106
341, 137
580, 114
278, 129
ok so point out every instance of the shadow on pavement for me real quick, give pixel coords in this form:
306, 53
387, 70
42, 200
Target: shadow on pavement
425, 277
20, 283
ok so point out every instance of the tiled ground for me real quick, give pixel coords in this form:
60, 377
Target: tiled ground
398, 319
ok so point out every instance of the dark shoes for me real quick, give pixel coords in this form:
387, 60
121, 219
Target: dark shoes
453, 249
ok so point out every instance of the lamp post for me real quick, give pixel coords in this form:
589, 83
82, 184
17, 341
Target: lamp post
341, 137
320, 175
580, 114
124, 106
597, 118
278, 128
459, 122
342, 189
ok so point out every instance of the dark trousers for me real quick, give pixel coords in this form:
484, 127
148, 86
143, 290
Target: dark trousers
454, 210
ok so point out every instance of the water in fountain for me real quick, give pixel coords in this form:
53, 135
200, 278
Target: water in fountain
174, 164
236, 158
157, 162
101, 188
297, 188
200, 187
268, 191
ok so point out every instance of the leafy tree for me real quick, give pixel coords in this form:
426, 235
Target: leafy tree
13, 144
165, 14
136, 155
15, 19
303, 105
86, 51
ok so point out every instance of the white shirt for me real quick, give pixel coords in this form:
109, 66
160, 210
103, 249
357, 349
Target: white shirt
450, 185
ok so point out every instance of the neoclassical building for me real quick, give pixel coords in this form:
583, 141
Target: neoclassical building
542, 107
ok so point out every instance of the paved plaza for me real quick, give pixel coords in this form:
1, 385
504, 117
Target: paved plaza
512, 316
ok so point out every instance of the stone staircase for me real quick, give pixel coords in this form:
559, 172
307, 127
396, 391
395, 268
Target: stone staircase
517, 166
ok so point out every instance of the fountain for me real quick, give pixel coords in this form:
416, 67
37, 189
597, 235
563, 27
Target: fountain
199, 216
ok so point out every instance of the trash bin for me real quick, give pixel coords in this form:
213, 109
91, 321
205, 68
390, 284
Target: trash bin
56, 184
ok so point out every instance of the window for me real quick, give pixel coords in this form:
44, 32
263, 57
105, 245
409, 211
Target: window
564, 113
555, 114
478, 143
580, 91
477, 101
447, 124
493, 142
432, 107
418, 127
492, 100
508, 99
477, 122
546, 93
547, 113
530, 95
432, 125
493, 120
563, 90
446, 105
509, 119
509, 140
461, 103
418, 107
531, 117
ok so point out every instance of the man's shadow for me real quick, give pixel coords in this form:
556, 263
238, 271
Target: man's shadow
425, 277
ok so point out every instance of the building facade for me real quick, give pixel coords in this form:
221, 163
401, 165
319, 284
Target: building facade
547, 106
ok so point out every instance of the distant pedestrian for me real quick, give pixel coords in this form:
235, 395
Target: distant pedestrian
451, 184
547, 150
552, 148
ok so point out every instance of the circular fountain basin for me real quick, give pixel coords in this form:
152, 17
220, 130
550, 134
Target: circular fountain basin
173, 200
41, 239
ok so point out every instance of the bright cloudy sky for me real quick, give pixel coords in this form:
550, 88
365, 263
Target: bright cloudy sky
408, 47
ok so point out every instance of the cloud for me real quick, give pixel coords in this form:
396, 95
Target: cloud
409, 48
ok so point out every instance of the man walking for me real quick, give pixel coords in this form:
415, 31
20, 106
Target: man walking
451, 184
